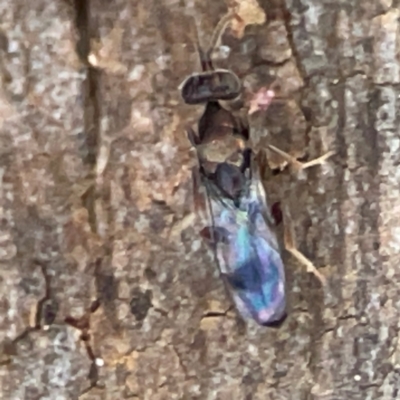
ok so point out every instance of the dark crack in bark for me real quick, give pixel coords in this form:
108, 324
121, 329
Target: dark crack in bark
47, 306
90, 93
45, 315
83, 325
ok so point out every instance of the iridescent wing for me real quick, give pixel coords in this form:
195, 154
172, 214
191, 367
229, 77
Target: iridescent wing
245, 244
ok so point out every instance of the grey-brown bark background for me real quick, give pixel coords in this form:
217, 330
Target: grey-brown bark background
106, 290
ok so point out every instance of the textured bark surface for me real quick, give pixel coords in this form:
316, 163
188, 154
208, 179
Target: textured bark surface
106, 290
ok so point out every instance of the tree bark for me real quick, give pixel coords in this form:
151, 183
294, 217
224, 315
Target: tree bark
106, 289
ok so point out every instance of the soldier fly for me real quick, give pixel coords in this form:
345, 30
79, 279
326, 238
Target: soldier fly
241, 230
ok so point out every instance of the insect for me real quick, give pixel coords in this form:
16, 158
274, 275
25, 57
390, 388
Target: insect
241, 228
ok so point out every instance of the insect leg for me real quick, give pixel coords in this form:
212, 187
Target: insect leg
192, 137
290, 246
298, 165
199, 195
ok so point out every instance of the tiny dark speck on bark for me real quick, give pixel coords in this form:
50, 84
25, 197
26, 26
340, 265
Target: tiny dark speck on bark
50, 309
107, 287
140, 303
248, 380
199, 341
149, 273
3, 41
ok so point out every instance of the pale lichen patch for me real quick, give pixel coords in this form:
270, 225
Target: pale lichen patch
106, 52
249, 12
